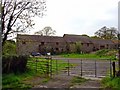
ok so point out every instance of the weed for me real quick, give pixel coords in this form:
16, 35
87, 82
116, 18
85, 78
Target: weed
111, 83
45, 80
78, 80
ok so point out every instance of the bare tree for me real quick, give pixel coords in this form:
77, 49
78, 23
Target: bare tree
17, 15
47, 31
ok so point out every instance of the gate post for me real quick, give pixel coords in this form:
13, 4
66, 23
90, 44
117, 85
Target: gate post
113, 69
50, 66
56, 66
36, 65
47, 68
68, 68
110, 69
81, 67
95, 69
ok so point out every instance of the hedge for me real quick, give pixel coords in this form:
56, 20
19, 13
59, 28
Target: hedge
14, 64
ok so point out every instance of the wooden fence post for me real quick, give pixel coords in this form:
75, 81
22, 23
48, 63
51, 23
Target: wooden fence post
47, 67
36, 65
50, 67
56, 66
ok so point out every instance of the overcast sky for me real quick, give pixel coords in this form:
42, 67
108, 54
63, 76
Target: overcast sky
79, 16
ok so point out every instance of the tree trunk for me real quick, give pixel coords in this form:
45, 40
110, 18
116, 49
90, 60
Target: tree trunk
8, 30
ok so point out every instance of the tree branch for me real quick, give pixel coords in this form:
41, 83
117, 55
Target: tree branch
19, 14
7, 11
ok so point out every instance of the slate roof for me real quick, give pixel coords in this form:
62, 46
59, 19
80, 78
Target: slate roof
86, 39
101, 41
41, 38
77, 38
71, 38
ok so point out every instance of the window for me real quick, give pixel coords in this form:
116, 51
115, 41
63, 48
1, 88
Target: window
102, 47
23, 42
88, 44
57, 43
107, 46
81, 43
42, 43
57, 49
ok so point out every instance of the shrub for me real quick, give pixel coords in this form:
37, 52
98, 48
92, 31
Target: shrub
9, 48
102, 52
14, 64
111, 83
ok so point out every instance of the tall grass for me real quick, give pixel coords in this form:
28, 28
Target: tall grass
17, 80
111, 83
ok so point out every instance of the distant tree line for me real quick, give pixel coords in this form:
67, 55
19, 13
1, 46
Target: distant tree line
107, 33
46, 31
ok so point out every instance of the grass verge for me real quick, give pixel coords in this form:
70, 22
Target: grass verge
16, 80
29, 78
86, 56
77, 81
111, 83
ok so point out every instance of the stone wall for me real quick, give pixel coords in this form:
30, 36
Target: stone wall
26, 44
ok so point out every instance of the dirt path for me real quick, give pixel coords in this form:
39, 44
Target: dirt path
59, 81
90, 84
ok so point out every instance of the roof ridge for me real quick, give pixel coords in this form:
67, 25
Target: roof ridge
38, 35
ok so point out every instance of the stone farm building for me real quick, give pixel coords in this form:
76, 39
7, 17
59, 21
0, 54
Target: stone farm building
27, 44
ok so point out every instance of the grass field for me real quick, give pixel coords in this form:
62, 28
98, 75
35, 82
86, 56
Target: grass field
90, 56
